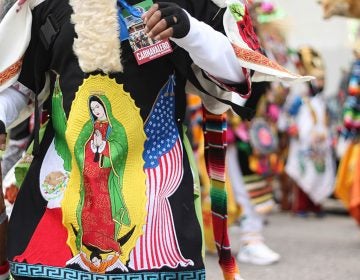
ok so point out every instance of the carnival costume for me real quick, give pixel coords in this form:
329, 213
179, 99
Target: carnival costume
310, 162
348, 176
115, 137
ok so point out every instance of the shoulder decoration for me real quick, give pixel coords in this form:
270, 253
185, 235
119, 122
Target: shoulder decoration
17, 22
239, 30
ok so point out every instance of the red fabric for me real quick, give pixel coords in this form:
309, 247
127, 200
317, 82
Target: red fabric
97, 222
247, 31
48, 243
4, 268
302, 202
216, 138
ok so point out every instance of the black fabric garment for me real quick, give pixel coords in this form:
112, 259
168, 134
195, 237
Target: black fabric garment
258, 90
2, 128
142, 82
20, 131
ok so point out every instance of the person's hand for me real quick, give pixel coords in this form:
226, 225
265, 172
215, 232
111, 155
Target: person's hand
164, 20
97, 138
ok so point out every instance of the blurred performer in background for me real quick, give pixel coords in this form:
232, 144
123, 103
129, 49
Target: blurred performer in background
348, 176
310, 163
252, 190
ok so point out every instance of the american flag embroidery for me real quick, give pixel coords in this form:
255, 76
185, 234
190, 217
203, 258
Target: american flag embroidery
163, 155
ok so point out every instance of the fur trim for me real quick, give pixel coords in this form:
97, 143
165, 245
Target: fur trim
97, 45
220, 3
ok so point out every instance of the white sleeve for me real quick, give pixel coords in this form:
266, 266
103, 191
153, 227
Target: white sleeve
211, 51
11, 104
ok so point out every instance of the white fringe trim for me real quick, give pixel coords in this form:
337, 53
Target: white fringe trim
97, 45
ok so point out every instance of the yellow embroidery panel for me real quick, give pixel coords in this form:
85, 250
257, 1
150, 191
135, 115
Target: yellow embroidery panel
133, 188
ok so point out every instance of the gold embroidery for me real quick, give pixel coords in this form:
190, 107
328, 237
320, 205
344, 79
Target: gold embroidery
258, 58
10, 72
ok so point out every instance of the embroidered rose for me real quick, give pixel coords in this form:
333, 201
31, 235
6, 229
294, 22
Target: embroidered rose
247, 31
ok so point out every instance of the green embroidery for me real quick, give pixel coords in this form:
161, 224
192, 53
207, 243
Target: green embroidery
237, 10
60, 124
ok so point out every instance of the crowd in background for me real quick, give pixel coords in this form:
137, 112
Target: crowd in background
301, 148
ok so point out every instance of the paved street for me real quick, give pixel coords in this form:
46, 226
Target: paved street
311, 249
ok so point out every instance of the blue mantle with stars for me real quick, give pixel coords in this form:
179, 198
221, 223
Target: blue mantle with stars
160, 127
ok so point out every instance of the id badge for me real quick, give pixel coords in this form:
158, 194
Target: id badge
144, 48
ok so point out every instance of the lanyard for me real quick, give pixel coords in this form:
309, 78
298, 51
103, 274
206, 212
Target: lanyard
123, 5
